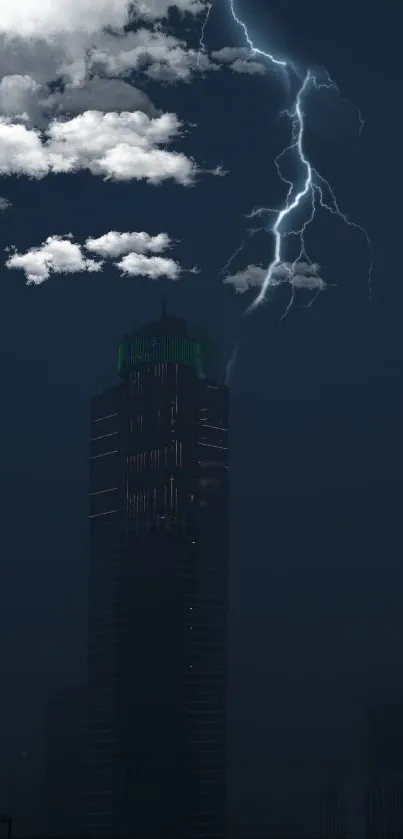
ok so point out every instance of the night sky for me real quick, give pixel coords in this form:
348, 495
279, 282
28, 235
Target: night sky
316, 403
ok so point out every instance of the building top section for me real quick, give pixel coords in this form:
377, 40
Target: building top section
167, 340
161, 341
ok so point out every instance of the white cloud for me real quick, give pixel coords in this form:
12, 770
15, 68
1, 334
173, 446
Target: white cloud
179, 68
251, 277
21, 151
114, 244
239, 60
57, 255
18, 95
4, 204
47, 19
252, 68
157, 9
116, 146
226, 55
154, 267
218, 171
312, 282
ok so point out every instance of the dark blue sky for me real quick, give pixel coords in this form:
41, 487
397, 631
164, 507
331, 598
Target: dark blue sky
316, 451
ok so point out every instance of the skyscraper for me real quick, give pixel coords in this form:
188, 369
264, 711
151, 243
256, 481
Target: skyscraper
158, 594
384, 803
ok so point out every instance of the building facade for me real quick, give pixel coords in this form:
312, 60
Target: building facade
158, 594
384, 795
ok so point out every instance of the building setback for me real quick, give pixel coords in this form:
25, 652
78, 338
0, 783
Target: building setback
158, 594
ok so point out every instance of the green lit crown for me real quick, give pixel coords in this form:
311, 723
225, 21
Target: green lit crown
154, 349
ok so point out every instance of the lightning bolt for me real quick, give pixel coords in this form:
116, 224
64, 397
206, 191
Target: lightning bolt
315, 191
202, 46
249, 235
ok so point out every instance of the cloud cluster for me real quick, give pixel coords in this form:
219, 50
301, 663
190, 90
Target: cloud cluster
154, 53
61, 255
96, 81
66, 99
84, 47
49, 40
67, 105
118, 146
86, 60
299, 275
162, 57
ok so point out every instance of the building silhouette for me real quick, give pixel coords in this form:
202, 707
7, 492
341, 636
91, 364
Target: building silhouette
64, 729
343, 806
384, 804
332, 816
158, 594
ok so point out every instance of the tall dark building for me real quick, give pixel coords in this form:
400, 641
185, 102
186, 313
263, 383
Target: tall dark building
384, 805
343, 806
63, 768
332, 821
158, 594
